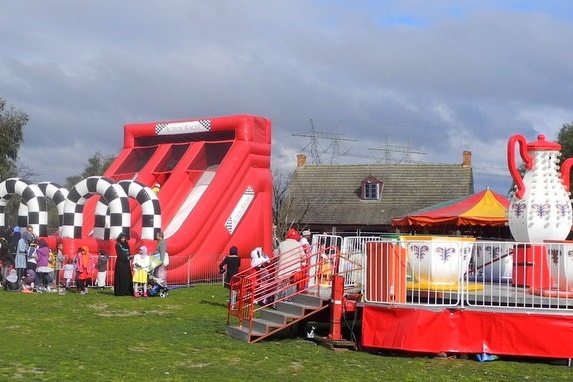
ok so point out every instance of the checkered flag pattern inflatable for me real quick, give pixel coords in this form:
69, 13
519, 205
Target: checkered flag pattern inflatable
57, 194
240, 209
35, 214
170, 128
111, 192
150, 211
150, 208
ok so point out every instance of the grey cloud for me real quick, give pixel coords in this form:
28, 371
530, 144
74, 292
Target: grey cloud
438, 75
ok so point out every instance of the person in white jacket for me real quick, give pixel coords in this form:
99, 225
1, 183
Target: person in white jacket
264, 293
291, 263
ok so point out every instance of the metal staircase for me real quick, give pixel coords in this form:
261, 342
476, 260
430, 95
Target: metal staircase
270, 320
265, 301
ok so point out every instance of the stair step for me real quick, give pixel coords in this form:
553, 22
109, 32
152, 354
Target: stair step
271, 320
242, 333
277, 316
294, 308
261, 325
309, 300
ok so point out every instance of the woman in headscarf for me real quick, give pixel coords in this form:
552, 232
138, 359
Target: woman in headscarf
122, 280
230, 266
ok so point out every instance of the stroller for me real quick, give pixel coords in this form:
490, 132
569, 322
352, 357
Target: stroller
157, 280
12, 284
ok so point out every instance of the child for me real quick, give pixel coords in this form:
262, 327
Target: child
29, 281
101, 266
141, 264
84, 269
69, 271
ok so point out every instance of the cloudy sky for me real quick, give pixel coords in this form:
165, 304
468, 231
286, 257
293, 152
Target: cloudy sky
432, 77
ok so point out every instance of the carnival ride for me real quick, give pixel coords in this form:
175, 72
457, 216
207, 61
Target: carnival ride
216, 190
436, 294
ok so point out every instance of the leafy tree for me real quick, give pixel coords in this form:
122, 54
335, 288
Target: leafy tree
12, 123
565, 139
96, 166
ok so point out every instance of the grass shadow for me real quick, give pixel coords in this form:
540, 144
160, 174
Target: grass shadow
207, 302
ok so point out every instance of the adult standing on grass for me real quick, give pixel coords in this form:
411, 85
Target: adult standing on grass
7, 258
161, 250
122, 279
230, 266
14, 239
20, 259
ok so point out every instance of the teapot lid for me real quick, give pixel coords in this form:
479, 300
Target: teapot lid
542, 144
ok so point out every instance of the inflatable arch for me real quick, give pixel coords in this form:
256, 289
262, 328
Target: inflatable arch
35, 212
150, 210
120, 218
57, 194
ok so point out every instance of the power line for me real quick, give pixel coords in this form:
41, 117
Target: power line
389, 151
316, 148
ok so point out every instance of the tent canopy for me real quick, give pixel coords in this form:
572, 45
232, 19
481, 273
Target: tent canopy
485, 208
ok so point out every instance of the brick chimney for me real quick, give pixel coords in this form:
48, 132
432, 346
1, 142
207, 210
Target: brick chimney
467, 159
301, 161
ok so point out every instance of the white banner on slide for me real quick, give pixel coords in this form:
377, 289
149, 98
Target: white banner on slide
183, 127
240, 209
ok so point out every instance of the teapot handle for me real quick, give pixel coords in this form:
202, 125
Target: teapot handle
566, 173
520, 140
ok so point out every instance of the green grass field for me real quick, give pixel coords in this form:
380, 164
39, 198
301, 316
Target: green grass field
100, 337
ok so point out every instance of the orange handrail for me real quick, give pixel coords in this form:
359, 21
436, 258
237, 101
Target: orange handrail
255, 289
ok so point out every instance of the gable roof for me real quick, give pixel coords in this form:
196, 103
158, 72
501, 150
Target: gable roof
330, 194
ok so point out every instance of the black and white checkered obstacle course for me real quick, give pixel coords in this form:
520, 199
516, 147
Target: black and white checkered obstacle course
102, 220
57, 194
150, 208
33, 209
150, 211
115, 197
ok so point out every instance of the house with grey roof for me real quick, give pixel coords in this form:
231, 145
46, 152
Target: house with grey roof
364, 198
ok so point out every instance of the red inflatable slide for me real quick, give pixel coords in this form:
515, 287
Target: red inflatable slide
215, 187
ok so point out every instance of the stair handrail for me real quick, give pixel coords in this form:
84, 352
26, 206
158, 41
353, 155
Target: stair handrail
255, 289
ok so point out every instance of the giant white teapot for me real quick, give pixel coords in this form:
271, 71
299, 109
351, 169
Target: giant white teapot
540, 208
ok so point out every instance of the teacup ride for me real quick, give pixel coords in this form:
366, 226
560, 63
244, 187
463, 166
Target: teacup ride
492, 262
560, 262
439, 262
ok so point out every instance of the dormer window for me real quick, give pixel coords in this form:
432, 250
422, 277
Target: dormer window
371, 188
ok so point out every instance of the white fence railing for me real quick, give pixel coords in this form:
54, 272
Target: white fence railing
430, 271
459, 271
182, 270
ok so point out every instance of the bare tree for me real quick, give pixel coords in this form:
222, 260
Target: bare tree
296, 202
281, 203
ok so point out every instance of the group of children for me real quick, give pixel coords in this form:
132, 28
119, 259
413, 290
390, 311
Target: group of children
36, 268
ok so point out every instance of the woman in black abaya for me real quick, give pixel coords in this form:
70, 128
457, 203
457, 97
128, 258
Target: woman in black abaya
123, 285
